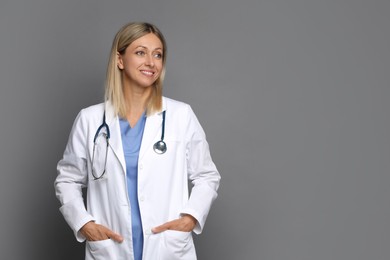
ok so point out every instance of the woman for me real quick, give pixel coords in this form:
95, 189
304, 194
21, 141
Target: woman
135, 154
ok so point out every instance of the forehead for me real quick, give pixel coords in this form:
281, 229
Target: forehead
149, 41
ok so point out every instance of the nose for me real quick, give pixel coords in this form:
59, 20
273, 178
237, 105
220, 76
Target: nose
149, 61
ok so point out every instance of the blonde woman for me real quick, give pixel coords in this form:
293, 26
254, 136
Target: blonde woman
135, 154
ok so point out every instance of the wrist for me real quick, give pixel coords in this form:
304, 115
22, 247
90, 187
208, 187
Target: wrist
189, 218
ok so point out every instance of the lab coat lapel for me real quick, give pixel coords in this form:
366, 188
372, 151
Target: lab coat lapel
152, 131
115, 132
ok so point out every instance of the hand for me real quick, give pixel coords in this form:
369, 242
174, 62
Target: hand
185, 224
95, 232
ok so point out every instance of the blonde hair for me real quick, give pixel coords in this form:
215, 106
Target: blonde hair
114, 87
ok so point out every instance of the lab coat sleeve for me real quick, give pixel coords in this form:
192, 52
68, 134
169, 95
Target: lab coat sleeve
202, 172
72, 177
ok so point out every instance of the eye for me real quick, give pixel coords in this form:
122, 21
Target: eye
140, 53
158, 55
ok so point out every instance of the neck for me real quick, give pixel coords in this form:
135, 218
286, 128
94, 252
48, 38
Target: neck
136, 99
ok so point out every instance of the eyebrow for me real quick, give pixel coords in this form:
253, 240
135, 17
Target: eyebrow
144, 47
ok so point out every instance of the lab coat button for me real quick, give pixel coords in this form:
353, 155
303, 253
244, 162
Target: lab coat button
148, 232
141, 198
141, 167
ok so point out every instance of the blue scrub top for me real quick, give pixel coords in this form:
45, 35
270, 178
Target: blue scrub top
131, 142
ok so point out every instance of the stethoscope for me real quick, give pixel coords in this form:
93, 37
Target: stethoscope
159, 147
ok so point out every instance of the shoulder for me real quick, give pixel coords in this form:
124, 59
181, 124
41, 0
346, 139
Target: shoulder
180, 112
93, 109
91, 113
169, 102
87, 118
175, 106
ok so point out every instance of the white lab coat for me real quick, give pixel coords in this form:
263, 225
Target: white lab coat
162, 182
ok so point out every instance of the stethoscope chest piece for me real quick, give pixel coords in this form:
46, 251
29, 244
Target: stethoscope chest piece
160, 147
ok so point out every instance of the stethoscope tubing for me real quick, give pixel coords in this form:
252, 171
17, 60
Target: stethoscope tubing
104, 124
160, 147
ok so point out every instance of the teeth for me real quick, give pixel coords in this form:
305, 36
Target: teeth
147, 72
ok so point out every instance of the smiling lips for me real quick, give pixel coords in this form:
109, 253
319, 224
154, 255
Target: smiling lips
148, 73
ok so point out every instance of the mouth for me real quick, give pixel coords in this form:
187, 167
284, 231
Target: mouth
148, 73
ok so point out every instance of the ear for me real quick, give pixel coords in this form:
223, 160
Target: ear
119, 61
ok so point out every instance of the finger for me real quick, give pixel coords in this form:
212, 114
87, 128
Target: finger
114, 236
158, 229
161, 228
171, 225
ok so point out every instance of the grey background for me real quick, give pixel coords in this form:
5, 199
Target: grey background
293, 95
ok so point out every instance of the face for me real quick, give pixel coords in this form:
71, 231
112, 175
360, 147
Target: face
142, 62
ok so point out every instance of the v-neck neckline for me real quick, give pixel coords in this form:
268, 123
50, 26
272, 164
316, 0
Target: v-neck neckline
128, 130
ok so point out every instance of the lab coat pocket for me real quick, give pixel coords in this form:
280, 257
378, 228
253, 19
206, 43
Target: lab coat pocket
177, 245
103, 249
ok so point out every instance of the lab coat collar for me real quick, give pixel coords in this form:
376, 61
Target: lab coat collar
111, 117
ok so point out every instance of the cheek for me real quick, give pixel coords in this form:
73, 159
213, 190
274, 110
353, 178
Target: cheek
131, 62
160, 66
